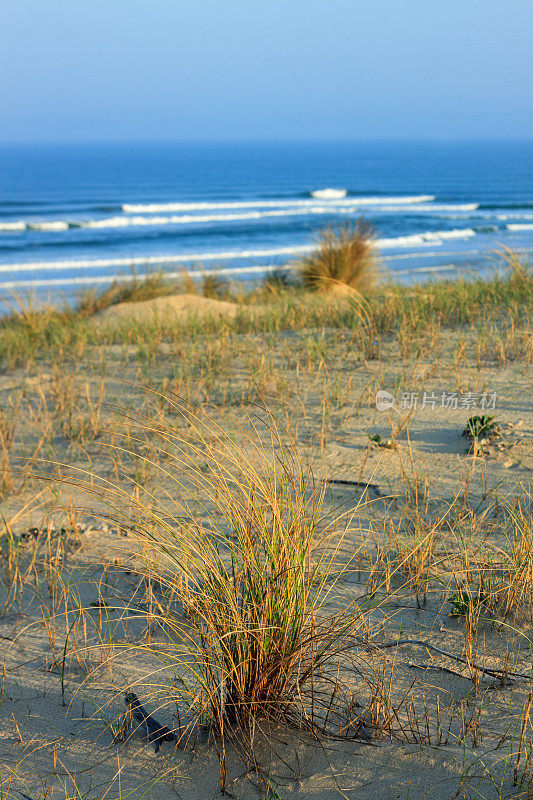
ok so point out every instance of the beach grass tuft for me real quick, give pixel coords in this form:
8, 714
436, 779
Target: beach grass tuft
244, 539
345, 256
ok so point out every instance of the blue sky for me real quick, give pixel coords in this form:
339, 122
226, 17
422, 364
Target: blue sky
101, 70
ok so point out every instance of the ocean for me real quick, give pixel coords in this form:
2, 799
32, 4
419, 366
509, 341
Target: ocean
73, 217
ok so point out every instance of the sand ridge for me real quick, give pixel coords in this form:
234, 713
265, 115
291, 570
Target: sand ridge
176, 306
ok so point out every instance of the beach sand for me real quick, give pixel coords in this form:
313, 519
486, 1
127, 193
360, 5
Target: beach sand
59, 712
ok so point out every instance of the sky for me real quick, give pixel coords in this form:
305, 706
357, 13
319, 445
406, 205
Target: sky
153, 70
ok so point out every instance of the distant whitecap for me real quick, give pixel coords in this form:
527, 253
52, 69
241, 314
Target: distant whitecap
525, 227
53, 225
13, 226
329, 194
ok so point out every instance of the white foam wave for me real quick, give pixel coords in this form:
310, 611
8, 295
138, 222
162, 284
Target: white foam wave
522, 227
329, 194
197, 219
413, 240
12, 226
96, 263
192, 219
456, 233
22, 225
99, 279
444, 207
153, 208
431, 237
57, 225
187, 219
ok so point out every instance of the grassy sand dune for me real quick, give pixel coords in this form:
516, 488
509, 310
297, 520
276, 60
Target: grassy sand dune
319, 598
169, 308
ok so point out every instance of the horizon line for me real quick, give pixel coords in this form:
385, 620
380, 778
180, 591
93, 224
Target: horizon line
272, 140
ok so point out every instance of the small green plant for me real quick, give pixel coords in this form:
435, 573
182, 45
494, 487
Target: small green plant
481, 426
464, 601
380, 442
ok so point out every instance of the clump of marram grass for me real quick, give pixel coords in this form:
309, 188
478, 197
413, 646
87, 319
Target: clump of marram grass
243, 532
345, 257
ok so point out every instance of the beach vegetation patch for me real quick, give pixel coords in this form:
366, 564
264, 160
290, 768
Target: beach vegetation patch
132, 289
481, 425
345, 256
245, 536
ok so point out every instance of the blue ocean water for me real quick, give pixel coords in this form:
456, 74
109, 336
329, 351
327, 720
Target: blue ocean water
77, 216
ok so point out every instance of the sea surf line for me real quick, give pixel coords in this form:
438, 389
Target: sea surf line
210, 206
58, 226
410, 240
103, 279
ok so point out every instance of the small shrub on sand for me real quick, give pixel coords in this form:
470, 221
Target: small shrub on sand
345, 257
481, 425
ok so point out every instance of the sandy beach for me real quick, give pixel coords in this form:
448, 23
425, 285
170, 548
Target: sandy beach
435, 551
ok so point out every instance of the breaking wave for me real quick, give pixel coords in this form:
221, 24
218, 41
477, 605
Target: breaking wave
528, 226
329, 194
13, 226
202, 219
191, 219
53, 225
152, 208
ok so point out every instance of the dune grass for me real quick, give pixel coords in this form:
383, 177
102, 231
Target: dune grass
233, 587
497, 310
128, 290
149, 286
344, 257
244, 535
276, 281
236, 570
